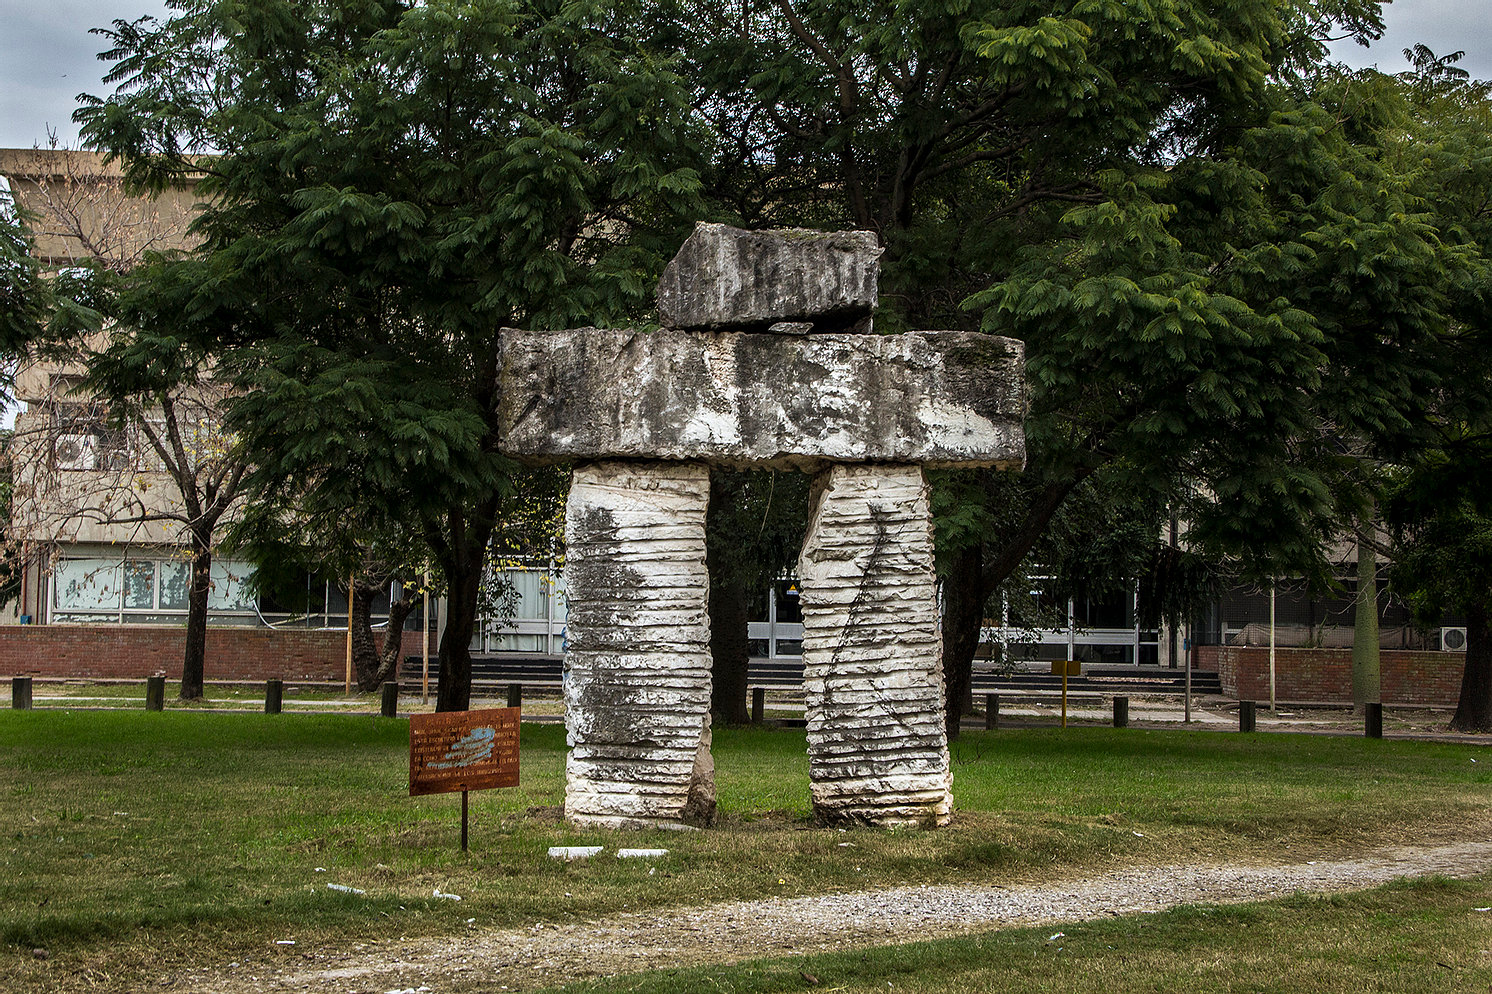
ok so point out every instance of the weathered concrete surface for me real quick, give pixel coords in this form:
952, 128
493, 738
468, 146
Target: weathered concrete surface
938, 398
724, 277
637, 647
872, 674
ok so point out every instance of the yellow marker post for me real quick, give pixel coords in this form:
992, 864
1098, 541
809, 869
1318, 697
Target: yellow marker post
1066, 667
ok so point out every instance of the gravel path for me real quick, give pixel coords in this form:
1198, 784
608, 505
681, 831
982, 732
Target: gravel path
516, 959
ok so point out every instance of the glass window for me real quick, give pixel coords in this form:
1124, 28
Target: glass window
139, 584
529, 594
87, 584
511, 642
176, 580
789, 606
230, 586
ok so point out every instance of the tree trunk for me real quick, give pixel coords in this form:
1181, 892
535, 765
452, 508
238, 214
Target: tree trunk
1365, 661
377, 666
464, 585
364, 646
393, 640
194, 658
963, 616
730, 648
1474, 710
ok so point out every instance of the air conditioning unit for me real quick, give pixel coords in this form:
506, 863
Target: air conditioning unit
1453, 640
74, 451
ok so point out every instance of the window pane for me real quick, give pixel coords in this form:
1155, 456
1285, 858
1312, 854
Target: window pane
176, 579
88, 584
519, 643
139, 584
529, 591
229, 587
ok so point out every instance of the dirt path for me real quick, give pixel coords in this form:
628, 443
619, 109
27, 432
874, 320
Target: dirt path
517, 959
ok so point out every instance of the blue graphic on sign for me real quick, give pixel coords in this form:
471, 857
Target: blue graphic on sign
472, 748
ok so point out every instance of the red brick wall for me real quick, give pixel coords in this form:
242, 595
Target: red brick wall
1325, 675
138, 651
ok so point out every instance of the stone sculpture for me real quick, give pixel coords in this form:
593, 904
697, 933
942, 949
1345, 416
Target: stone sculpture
766, 361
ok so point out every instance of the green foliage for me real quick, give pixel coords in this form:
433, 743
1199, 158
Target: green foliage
1217, 281
1441, 514
1440, 490
22, 309
755, 525
39, 310
390, 184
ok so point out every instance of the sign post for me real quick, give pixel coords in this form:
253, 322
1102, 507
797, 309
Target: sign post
465, 751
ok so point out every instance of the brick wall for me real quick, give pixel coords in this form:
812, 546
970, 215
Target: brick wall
138, 651
1325, 675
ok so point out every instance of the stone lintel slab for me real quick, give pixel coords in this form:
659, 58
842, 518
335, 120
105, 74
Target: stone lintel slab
934, 398
724, 277
637, 676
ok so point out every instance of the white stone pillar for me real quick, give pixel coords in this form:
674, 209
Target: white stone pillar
872, 673
637, 646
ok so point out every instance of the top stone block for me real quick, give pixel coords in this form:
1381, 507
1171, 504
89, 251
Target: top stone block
728, 278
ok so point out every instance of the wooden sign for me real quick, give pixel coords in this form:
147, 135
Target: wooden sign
463, 750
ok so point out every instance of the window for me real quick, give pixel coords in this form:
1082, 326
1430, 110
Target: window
143, 589
83, 440
87, 585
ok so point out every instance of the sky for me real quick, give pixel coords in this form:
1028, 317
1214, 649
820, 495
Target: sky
47, 56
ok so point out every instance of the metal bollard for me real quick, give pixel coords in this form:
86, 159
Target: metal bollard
1373, 715
1121, 712
515, 695
155, 693
991, 711
390, 707
1245, 716
758, 704
20, 693
274, 696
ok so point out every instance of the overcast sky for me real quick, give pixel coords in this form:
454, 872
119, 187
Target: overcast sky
47, 56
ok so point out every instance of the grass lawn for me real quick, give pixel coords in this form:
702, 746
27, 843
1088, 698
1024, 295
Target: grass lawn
1420, 937
129, 837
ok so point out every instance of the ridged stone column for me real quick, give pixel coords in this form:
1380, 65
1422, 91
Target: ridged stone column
637, 646
872, 680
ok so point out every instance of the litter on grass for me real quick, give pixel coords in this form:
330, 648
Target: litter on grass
573, 852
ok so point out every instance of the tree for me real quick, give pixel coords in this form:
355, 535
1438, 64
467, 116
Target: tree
22, 291
391, 184
1439, 503
156, 461
1217, 277
1441, 516
286, 544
